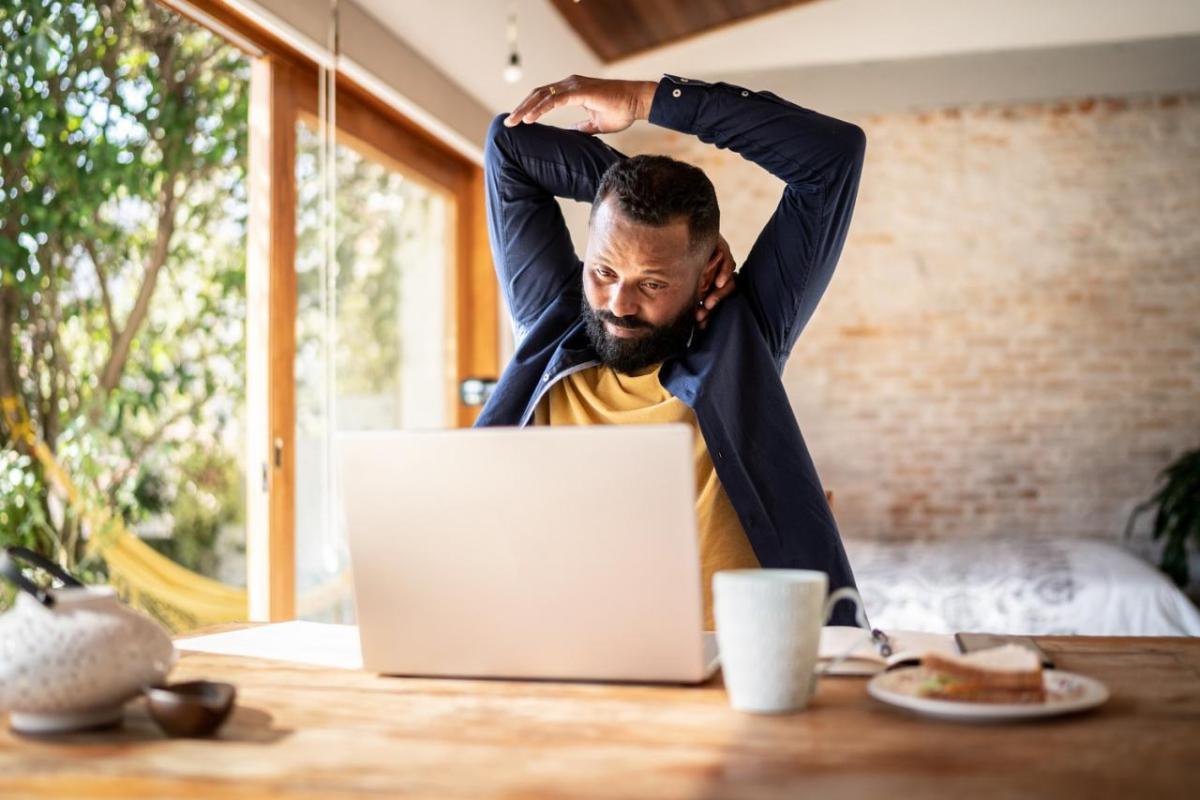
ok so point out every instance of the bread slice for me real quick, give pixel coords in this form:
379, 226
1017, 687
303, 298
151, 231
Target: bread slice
1007, 674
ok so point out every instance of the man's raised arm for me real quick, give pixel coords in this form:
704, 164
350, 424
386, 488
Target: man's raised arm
525, 168
819, 158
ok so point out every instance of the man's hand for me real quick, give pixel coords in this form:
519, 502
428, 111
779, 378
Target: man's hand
611, 105
723, 282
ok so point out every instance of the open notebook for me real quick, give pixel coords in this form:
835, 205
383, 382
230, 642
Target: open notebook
907, 648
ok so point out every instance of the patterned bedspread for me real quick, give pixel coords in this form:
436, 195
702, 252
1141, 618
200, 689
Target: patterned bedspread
1019, 586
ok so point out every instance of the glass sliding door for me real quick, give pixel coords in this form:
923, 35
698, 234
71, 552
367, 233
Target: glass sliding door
369, 297
373, 343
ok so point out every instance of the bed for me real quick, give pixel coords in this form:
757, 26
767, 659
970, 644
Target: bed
1018, 586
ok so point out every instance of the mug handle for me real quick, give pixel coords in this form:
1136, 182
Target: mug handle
860, 616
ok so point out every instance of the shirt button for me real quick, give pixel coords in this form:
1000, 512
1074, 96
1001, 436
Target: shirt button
676, 93
745, 94
545, 378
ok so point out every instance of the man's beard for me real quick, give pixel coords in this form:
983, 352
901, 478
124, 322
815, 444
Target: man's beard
637, 352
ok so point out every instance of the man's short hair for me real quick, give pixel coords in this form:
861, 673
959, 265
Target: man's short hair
657, 190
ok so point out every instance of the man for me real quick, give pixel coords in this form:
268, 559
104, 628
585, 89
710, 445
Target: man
632, 334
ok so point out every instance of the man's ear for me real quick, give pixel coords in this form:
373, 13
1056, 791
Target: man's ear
708, 273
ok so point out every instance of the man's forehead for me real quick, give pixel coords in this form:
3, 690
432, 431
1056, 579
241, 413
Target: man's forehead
657, 248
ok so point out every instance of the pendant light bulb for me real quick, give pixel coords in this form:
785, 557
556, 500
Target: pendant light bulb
512, 72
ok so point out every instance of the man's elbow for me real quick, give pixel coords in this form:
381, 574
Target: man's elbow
855, 144
494, 146
497, 128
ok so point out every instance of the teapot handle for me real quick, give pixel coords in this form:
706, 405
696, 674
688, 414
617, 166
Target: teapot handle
10, 569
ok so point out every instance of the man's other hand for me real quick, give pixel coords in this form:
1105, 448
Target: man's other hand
611, 105
723, 282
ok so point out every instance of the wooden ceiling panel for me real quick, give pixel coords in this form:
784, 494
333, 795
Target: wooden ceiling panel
617, 29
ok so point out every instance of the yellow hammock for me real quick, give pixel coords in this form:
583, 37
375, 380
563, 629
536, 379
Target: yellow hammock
147, 579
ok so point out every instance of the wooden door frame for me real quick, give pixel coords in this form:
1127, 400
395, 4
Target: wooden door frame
271, 344
284, 84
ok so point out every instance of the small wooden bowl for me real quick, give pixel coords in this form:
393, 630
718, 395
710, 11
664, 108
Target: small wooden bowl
193, 708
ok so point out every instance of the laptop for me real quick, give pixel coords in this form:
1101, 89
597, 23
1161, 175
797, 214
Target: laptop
562, 553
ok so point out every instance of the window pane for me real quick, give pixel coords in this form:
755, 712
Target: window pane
386, 312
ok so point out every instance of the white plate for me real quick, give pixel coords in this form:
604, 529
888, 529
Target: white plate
1066, 693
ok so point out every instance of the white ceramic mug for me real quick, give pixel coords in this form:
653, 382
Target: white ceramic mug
768, 629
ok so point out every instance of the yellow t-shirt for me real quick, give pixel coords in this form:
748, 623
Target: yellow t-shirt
602, 396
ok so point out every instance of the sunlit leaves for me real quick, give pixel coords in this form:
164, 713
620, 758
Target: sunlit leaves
104, 104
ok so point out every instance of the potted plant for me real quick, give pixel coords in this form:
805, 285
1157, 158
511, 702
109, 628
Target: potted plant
1178, 515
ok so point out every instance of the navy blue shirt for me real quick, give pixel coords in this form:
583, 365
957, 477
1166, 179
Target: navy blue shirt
730, 374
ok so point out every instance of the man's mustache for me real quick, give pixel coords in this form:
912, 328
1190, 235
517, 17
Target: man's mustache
632, 323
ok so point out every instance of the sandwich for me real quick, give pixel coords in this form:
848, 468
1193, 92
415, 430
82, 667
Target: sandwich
1007, 674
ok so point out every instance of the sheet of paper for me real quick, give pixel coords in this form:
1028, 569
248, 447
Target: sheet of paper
837, 639
865, 660
317, 643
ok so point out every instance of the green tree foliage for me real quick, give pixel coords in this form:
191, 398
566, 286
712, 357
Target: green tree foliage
122, 245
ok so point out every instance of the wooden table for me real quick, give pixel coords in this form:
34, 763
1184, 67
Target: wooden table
308, 732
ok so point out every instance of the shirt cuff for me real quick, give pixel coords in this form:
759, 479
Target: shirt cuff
676, 103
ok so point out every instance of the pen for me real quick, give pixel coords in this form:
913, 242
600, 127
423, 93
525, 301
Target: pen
882, 643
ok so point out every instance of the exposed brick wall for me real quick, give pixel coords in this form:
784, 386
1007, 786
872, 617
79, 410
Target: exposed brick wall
1011, 343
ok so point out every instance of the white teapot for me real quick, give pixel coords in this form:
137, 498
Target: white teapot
71, 657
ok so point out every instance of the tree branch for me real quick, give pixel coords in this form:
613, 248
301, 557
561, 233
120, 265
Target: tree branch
39, 401
135, 458
8, 368
111, 374
50, 417
113, 331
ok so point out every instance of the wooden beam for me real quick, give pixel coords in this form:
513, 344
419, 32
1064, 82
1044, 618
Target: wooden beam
620, 29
